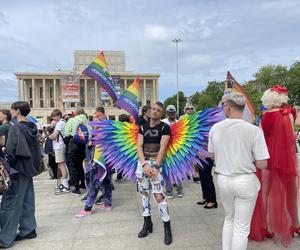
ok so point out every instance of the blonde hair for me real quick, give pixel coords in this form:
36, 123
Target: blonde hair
272, 99
236, 99
189, 106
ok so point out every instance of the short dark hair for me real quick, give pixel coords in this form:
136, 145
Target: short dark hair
24, 107
124, 118
160, 104
145, 109
7, 113
100, 109
56, 112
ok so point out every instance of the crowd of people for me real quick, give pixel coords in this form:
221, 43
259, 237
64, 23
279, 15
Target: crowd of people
255, 167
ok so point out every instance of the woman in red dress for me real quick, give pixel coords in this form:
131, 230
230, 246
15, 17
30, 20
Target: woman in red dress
276, 211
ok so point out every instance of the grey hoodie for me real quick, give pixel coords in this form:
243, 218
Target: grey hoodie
23, 150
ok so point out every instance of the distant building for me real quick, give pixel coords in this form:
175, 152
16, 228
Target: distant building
5, 105
42, 90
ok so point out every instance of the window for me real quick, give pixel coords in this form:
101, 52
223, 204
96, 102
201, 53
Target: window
41, 98
51, 94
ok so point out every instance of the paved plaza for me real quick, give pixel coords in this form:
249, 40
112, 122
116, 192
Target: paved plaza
193, 226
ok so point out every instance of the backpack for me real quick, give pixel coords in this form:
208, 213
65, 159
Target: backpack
5, 180
81, 135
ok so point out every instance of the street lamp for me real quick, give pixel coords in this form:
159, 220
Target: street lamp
177, 40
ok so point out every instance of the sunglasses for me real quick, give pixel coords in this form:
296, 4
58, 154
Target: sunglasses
189, 108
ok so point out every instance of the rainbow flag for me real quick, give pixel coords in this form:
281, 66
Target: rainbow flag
100, 160
231, 85
129, 100
97, 70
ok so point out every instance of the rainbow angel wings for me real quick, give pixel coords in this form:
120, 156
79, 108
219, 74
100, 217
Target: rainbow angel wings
189, 136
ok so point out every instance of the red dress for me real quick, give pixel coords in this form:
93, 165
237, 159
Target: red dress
277, 200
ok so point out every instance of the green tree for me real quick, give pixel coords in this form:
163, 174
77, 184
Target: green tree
173, 100
294, 83
271, 75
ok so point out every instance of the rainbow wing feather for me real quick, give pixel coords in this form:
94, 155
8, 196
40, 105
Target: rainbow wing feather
188, 136
119, 143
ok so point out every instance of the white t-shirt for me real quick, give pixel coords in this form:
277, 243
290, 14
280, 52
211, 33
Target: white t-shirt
166, 120
58, 143
236, 145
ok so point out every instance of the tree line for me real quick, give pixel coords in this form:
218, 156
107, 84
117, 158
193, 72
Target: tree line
265, 78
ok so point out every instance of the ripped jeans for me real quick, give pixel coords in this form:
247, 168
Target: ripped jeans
145, 185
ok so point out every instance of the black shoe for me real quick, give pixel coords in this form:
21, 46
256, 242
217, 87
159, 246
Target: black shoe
100, 200
196, 180
147, 227
76, 192
215, 205
168, 233
31, 235
201, 202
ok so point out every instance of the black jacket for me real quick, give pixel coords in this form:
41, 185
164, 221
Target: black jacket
23, 150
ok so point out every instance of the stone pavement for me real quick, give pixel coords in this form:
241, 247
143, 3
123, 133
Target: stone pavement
193, 227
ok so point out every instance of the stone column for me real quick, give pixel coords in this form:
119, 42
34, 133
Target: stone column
85, 93
144, 102
44, 93
33, 93
23, 89
96, 94
54, 93
125, 84
156, 89
154, 98
19, 89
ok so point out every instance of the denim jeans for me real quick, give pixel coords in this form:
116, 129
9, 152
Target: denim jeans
17, 210
145, 185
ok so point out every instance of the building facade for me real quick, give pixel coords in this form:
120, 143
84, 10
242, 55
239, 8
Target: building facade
42, 90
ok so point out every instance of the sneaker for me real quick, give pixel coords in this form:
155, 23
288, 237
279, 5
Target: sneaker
31, 235
58, 187
76, 192
63, 190
83, 213
196, 180
169, 195
100, 201
104, 207
179, 194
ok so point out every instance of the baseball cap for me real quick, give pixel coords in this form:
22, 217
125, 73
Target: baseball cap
171, 108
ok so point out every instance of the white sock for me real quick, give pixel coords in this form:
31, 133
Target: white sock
65, 182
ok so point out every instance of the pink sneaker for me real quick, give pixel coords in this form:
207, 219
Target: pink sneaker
83, 213
103, 207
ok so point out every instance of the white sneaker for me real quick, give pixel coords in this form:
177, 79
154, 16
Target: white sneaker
63, 190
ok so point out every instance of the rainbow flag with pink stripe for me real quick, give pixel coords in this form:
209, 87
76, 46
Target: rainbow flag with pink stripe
97, 70
231, 85
130, 99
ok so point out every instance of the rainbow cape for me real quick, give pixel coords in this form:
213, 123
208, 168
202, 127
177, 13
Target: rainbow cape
189, 136
129, 100
97, 70
231, 85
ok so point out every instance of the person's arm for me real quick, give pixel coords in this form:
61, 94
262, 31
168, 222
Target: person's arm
2, 140
147, 169
11, 144
210, 146
163, 147
54, 135
261, 164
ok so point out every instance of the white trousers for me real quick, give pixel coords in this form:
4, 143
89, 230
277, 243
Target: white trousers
238, 195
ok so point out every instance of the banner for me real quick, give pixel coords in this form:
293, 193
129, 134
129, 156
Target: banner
70, 88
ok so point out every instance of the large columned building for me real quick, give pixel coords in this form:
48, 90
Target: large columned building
42, 90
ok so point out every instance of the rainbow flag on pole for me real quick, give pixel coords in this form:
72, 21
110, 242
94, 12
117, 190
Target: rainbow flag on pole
231, 85
130, 99
97, 70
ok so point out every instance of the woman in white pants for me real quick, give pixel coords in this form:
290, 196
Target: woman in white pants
238, 147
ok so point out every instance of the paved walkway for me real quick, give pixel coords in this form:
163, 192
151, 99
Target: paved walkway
193, 226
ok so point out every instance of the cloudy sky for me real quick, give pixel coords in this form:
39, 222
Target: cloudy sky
218, 35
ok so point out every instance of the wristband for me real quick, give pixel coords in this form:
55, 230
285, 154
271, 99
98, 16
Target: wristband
156, 166
144, 165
